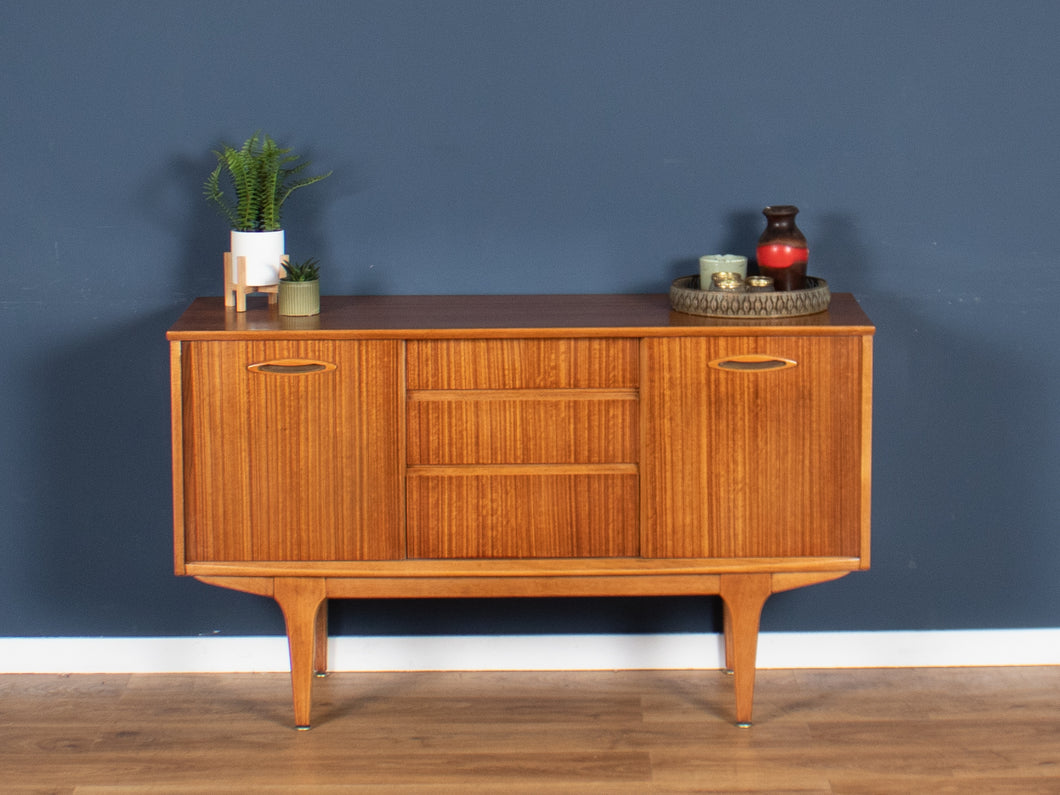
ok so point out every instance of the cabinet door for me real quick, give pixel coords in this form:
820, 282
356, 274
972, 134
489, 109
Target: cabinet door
753, 462
292, 461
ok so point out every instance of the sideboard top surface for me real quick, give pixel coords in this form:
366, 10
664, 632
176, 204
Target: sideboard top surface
427, 316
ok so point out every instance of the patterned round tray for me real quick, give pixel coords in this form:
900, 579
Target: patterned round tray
685, 296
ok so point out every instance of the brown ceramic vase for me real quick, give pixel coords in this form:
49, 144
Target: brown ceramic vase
782, 251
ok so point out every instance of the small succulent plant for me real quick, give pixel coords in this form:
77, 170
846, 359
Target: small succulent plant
308, 271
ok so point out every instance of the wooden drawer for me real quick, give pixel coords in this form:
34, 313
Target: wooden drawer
487, 513
523, 364
522, 427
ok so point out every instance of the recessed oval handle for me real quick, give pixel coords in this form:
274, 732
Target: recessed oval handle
291, 367
752, 363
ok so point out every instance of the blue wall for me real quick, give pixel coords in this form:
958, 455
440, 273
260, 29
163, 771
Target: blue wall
536, 146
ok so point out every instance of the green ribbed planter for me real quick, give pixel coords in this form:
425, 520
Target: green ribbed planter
300, 298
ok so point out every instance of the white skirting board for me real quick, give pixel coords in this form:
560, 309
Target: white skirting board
217, 654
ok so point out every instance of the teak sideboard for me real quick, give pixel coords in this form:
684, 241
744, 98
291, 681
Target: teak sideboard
518, 446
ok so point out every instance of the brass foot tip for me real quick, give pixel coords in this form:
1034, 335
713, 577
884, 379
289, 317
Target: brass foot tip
728, 671
743, 724
320, 674
303, 728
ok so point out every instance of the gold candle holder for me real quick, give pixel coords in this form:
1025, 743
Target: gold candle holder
759, 284
727, 282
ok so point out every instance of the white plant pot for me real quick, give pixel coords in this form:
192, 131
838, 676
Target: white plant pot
263, 251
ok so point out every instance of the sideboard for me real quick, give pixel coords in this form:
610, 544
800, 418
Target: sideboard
518, 446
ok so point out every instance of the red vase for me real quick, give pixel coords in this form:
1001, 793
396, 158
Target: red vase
782, 251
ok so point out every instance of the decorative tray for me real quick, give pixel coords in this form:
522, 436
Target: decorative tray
685, 296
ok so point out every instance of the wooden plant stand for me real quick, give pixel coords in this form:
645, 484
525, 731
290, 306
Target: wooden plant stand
236, 287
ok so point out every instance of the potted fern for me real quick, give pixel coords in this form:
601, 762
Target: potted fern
300, 288
262, 175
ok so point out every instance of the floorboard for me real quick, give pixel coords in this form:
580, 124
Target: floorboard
880, 731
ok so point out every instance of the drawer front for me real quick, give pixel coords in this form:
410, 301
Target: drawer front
522, 448
523, 364
480, 514
510, 427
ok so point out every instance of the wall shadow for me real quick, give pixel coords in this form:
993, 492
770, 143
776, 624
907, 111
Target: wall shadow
963, 532
101, 553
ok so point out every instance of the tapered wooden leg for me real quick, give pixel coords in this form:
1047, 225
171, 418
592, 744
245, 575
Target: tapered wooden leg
743, 595
301, 599
320, 645
728, 638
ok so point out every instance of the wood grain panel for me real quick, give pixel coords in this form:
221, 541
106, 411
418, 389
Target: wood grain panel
519, 515
294, 467
216, 452
522, 427
522, 364
762, 463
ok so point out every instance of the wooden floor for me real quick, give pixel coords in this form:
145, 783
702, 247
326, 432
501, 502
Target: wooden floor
964, 730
